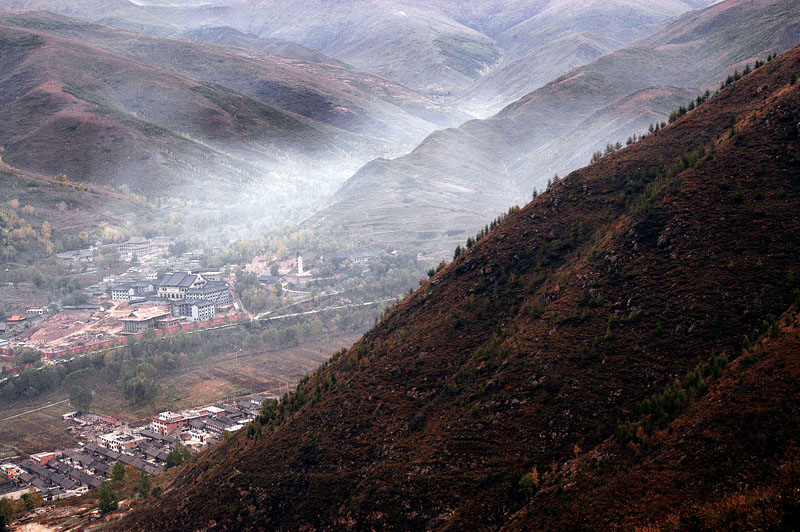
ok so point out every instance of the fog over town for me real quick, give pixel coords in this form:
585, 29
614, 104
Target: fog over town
260, 228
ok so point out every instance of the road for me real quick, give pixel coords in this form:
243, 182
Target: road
263, 317
34, 410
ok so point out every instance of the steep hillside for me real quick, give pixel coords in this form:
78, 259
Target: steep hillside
536, 344
458, 179
687, 473
29, 200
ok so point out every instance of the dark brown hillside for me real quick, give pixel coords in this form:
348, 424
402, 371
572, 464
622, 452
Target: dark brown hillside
722, 465
533, 345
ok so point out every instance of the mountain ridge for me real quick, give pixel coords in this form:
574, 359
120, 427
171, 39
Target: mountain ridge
516, 139
536, 342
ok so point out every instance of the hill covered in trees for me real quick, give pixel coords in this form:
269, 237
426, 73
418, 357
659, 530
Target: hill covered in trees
619, 353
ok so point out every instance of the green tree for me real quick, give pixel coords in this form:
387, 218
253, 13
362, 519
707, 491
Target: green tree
108, 498
273, 270
177, 456
145, 485
529, 483
27, 355
118, 473
80, 397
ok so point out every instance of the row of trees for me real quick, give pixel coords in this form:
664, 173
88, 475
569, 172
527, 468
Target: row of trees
134, 368
678, 113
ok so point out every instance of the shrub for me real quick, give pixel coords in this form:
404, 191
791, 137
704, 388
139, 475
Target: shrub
108, 498
529, 483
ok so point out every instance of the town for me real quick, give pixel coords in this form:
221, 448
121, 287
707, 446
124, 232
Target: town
168, 291
162, 288
150, 446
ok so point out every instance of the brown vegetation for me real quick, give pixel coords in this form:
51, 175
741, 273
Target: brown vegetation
532, 346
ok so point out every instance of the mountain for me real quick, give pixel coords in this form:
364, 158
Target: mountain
99, 118
351, 100
68, 207
458, 179
194, 120
232, 37
122, 14
608, 336
565, 35
442, 48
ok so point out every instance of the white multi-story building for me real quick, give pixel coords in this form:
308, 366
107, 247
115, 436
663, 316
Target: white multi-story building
127, 291
217, 292
203, 311
121, 441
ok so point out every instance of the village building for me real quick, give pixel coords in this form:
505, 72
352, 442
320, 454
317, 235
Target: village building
120, 441
168, 422
202, 311
81, 308
301, 276
127, 291
215, 291
140, 320
139, 246
43, 458
78, 255
168, 323
269, 280
364, 256
211, 275
175, 285
16, 319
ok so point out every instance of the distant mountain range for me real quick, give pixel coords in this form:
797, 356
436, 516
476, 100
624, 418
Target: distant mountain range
458, 179
170, 116
482, 54
619, 354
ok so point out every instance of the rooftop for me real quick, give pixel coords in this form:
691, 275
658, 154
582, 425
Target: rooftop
178, 279
145, 314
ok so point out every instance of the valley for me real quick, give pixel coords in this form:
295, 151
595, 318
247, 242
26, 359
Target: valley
531, 347
399, 265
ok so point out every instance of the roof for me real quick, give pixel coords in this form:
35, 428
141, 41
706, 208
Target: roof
365, 254
210, 286
145, 314
202, 303
178, 279
336, 255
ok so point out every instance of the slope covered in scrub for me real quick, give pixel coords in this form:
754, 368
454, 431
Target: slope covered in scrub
535, 345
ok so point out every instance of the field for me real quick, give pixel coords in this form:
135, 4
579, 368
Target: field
225, 376
35, 431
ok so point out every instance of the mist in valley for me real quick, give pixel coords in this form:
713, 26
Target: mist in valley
204, 204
